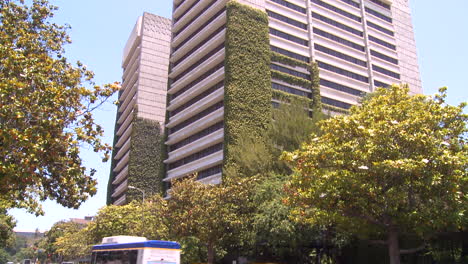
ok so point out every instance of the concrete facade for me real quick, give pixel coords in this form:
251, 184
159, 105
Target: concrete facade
145, 64
358, 44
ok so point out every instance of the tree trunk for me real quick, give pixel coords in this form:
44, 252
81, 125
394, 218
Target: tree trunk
211, 253
393, 246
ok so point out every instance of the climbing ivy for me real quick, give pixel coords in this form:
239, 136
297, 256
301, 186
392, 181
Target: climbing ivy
145, 160
291, 79
277, 57
313, 84
248, 93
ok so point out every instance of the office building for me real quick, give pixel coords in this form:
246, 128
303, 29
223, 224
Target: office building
358, 45
142, 105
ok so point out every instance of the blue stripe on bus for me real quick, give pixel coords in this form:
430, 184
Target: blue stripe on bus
145, 244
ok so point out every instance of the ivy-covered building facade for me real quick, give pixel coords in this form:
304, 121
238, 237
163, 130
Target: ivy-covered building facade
136, 161
232, 60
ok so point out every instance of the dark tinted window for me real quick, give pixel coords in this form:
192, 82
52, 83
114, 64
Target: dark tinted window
290, 5
286, 20
343, 72
337, 10
381, 42
337, 24
340, 55
292, 38
338, 39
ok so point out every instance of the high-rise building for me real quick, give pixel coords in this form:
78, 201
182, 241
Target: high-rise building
358, 45
142, 105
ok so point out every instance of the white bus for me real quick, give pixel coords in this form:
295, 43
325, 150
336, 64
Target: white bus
135, 250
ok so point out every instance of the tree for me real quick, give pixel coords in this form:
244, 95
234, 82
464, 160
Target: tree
214, 214
7, 223
74, 245
45, 111
397, 164
277, 237
4, 256
134, 219
57, 231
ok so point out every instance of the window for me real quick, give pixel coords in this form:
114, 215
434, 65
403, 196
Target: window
381, 42
209, 172
197, 136
196, 99
380, 3
200, 61
379, 15
341, 88
337, 24
340, 55
194, 17
386, 72
338, 39
196, 117
333, 102
384, 57
381, 84
286, 20
290, 5
289, 37
199, 29
290, 54
196, 81
185, 12
343, 72
115, 257
290, 90
381, 29
351, 3
196, 156
289, 71
337, 10
203, 42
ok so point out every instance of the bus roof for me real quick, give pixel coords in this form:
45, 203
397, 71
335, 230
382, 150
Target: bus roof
138, 245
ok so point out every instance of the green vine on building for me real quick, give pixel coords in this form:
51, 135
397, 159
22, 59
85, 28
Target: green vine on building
247, 97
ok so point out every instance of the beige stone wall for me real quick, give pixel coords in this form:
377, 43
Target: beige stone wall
406, 45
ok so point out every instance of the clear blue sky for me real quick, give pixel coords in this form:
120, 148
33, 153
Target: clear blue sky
100, 29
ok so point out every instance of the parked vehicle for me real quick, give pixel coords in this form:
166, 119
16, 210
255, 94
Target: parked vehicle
135, 250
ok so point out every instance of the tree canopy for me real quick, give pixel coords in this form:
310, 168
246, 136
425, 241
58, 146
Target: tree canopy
45, 111
214, 214
398, 163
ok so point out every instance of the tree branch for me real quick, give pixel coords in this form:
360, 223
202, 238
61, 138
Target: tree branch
413, 250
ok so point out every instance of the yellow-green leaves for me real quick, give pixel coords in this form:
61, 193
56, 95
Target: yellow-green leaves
396, 160
45, 111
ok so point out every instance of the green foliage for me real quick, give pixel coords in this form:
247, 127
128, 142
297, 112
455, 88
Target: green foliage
133, 219
145, 158
313, 84
4, 256
331, 108
45, 111
212, 214
291, 79
292, 125
315, 89
277, 57
247, 96
396, 164
57, 231
74, 245
7, 223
